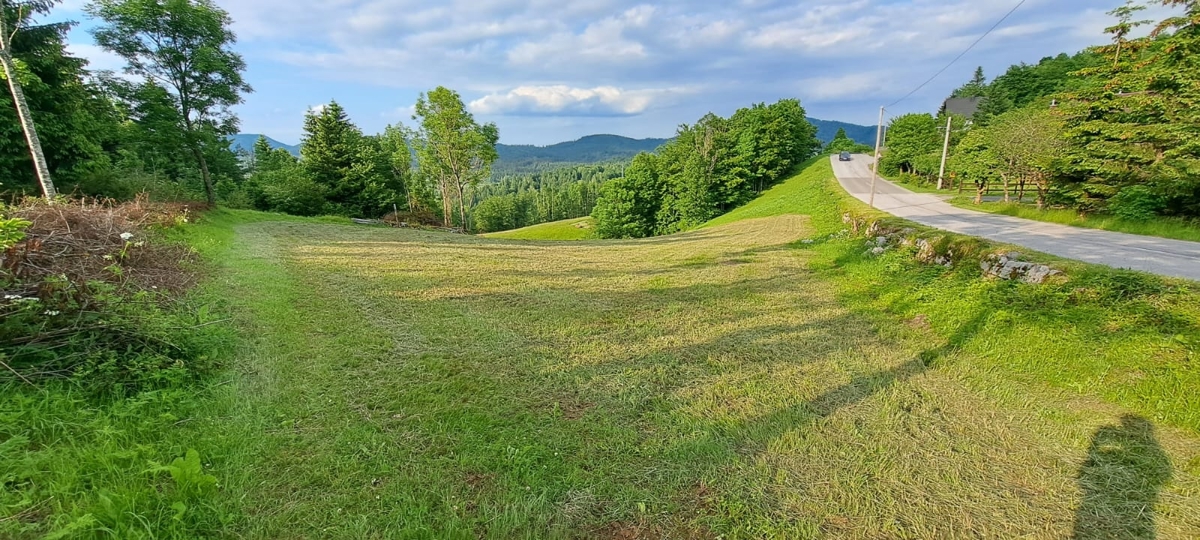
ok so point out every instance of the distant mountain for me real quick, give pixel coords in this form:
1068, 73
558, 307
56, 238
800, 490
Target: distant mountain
245, 141
590, 149
827, 129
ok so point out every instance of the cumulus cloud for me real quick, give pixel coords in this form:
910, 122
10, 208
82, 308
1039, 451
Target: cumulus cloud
567, 101
527, 59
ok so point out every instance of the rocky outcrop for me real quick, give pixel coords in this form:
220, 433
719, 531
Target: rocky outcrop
1008, 266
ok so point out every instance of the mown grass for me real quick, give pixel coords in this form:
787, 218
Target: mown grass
568, 229
760, 377
1178, 229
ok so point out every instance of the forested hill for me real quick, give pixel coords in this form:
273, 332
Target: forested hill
827, 129
245, 141
590, 149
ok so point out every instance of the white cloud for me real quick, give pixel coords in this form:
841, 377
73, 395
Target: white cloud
567, 101
626, 59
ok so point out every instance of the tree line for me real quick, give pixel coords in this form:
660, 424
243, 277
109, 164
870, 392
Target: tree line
1114, 129
708, 169
163, 128
522, 200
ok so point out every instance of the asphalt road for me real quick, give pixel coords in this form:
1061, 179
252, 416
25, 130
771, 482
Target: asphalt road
1175, 258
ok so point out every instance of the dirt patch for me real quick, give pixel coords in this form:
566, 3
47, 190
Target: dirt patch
920, 322
575, 409
625, 530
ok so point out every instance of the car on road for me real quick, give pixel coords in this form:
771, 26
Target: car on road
845, 156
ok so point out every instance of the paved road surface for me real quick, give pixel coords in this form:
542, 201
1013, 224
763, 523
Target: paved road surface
1176, 258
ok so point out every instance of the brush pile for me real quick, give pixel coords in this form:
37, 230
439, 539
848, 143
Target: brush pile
94, 288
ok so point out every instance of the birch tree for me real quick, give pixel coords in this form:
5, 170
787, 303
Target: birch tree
9, 26
453, 148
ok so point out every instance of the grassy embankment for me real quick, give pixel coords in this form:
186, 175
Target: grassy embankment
760, 377
567, 229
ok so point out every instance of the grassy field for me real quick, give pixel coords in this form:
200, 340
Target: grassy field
568, 229
760, 377
1162, 227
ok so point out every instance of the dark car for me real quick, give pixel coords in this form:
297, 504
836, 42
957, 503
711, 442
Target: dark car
845, 156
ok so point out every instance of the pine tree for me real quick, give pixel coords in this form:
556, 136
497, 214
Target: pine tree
328, 147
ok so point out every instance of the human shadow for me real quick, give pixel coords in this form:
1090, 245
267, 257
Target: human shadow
1120, 481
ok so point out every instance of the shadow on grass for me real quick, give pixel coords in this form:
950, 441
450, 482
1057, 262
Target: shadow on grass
1120, 481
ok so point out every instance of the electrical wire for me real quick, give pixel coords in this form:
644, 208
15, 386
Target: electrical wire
961, 55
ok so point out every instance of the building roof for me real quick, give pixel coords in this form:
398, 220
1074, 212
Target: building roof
962, 106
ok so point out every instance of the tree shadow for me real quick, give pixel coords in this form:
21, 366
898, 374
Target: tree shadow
1120, 481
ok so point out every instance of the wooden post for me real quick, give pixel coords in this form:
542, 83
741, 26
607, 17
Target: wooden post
875, 169
945, 152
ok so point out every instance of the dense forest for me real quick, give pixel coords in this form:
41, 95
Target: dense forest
709, 168
1111, 130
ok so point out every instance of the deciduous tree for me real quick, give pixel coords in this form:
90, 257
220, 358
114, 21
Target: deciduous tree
186, 47
453, 148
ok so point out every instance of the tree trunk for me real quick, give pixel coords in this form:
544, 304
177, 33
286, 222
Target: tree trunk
208, 185
447, 201
26, 117
1021, 190
1004, 178
462, 209
980, 187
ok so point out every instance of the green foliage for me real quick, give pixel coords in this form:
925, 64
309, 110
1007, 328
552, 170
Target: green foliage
976, 87
1136, 122
454, 150
542, 197
1137, 203
74, 122
910, 138
719, 164
188, 46
1024, 84
12, 230
629, 206
843, 143
290, 190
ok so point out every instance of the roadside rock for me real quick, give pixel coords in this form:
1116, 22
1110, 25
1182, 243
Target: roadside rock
1008, 267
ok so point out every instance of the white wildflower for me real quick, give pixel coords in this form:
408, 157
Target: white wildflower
12, 297
108, 257
52, 313
126, 236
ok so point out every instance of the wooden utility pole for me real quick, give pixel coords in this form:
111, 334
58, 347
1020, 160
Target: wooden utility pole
875, 169
945, 152
23, 112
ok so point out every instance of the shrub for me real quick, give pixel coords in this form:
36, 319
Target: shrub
1138, 203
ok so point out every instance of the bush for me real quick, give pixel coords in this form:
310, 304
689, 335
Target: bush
1137, 203
290, 190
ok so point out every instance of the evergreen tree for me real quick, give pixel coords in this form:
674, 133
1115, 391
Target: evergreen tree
976, 87
328, 148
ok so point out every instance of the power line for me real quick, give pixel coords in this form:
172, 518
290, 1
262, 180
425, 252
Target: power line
964, 53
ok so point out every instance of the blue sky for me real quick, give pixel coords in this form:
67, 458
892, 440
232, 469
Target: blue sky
552, 70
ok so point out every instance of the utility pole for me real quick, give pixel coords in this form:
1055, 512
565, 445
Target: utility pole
945, 152
875, 169
23, 112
